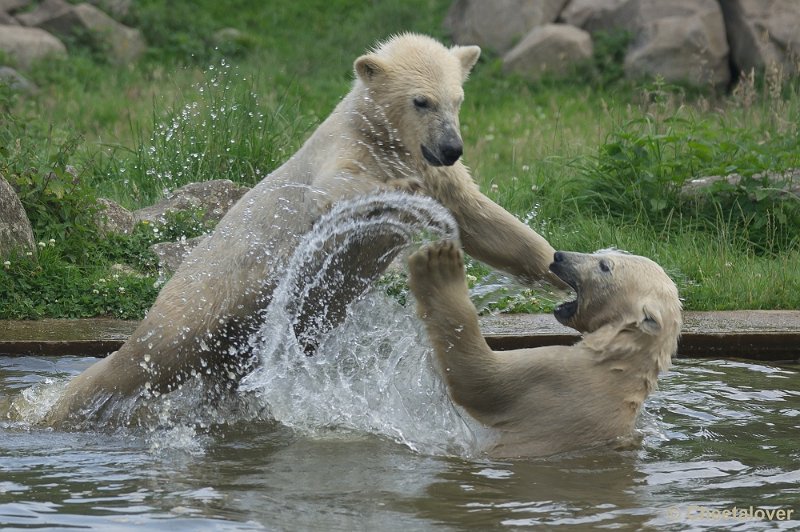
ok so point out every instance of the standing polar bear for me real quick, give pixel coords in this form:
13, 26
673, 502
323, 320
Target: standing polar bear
560, 398
397, 129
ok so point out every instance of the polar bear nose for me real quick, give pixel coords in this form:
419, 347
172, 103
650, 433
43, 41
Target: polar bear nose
451, 150
559, 256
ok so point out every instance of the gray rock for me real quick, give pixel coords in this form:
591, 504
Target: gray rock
45, 11
15, 80
227, 35
213, 197
124, 269
15, 228
26, 45
124, 44
12, 6
116, 8
7, 20
552, 49
112, 217
786, 184
171, 254
679, 40
763, 34
594, 15
499, 24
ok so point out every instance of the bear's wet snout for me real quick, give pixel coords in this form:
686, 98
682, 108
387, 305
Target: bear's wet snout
559, 256
451, 151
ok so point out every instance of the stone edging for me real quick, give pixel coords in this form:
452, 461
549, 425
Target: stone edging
755, 335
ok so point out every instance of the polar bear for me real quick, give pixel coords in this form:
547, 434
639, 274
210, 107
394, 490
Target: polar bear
397, 129
560, 398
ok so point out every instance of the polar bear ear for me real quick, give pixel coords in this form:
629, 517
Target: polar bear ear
468, 55
650, 321
369, 67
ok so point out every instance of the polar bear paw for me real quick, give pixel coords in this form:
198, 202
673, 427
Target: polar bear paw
436, 269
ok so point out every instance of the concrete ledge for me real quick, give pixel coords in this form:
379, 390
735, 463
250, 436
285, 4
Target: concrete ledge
756, 335
768, 335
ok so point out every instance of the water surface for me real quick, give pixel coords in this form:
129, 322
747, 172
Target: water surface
717, 435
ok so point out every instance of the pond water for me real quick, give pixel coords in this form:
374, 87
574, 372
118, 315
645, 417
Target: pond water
717, 435
362, 436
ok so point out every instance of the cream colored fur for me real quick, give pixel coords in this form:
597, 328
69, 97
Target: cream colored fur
405, 97
554, 399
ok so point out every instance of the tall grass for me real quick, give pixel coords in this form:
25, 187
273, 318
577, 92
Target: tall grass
222, 127
591, 163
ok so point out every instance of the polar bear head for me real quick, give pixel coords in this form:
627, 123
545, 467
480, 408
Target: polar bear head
414, 85
629, 297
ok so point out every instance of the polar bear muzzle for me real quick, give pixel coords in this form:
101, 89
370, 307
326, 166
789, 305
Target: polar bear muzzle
565, 270
448, 151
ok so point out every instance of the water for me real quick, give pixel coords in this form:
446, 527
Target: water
362, 436
717, 435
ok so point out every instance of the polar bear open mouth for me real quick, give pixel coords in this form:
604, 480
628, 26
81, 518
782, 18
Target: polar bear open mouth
567, 309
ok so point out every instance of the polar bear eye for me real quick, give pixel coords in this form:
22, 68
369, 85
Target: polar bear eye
605, 266
421, 102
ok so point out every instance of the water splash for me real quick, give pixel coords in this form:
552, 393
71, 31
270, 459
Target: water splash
32, 404
374, 372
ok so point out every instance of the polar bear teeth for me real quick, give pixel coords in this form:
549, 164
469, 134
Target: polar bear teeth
566, 309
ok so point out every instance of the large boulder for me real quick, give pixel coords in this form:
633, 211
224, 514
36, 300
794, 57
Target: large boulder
124, 44
9, 7
763, 33
171, 254
214, 198
115, 8
594, 15
498, 25
7, 20
552, 50
16, 81
26, 45
679, 40
45, 11
15, 228
111, 217
12, 6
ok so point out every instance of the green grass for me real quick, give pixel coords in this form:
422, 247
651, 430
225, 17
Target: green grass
591, 163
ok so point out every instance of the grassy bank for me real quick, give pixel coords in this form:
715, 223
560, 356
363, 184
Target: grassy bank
592, 162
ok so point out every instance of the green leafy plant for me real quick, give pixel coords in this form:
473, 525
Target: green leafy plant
57, 197
639, 173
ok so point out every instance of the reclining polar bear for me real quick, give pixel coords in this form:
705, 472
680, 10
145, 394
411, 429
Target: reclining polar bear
554, 399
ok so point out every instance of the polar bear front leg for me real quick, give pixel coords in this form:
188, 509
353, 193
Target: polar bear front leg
439, 285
